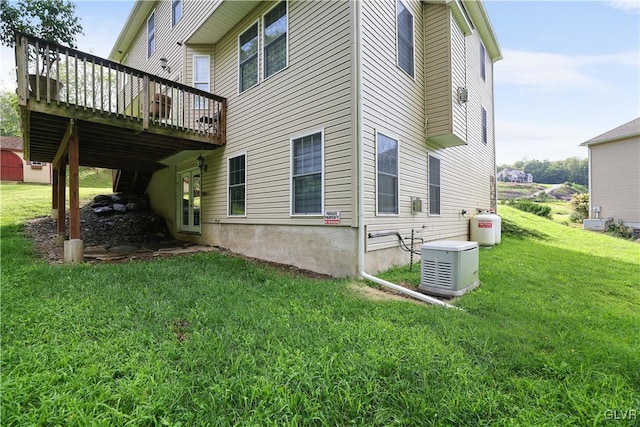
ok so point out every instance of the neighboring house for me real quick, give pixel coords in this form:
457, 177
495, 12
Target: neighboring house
614, 174
16, 168
347, 122
514, 175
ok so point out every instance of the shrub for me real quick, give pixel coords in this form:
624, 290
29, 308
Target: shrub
531, 207
580, 204
620, 230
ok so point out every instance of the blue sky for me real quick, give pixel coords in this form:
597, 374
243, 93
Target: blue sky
571, 69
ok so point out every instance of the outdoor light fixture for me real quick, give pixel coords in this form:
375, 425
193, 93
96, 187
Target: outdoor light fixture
164, 65
201, 164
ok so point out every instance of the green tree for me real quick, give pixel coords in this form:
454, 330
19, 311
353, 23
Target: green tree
9, 114
52, 20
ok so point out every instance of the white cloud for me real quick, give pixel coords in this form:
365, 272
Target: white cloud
550, 72
516, 140
630, 5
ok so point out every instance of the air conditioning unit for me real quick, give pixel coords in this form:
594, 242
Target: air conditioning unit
449, 268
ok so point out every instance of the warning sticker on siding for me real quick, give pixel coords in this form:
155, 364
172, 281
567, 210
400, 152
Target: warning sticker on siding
332, 217
485, 224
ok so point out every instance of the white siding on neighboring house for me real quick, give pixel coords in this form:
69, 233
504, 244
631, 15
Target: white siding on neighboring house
615, 180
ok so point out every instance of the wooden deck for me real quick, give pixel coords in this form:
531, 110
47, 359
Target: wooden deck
125, 119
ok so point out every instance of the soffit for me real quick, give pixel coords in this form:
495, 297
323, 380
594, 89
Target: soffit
137, 18
221, 21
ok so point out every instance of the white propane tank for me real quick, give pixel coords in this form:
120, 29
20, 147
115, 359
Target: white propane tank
497, 226
485, 228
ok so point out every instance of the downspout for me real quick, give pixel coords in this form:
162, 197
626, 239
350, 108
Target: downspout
361, 211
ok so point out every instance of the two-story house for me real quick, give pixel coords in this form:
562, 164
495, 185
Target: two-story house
348, 124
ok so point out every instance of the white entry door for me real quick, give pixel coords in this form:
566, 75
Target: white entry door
189, 207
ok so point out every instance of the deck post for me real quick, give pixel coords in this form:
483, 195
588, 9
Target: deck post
54, 194
73, 248
61, 172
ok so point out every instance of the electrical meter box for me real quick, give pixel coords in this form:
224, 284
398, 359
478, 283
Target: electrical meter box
448, 268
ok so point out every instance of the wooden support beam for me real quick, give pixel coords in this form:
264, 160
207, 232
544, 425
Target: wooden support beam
22, 64
74, 185
54, 189
62, 185
64, 144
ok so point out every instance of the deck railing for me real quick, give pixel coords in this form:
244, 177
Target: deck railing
61, 76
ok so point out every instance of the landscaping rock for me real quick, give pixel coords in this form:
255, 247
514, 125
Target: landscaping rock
119, 208
103, 211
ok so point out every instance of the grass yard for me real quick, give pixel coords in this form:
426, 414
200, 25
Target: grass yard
551, 337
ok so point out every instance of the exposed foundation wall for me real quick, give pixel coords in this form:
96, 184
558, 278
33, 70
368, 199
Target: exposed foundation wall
323, 249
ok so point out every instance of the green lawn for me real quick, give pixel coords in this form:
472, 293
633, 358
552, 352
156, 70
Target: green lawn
551, 337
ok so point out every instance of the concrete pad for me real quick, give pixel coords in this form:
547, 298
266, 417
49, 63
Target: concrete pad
73, 251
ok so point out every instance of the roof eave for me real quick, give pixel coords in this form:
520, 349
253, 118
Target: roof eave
139, 14
480, 18
612, 139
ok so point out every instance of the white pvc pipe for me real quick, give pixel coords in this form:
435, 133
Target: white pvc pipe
361, 213
405, 291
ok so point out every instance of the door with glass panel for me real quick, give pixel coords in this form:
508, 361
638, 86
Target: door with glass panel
191, 195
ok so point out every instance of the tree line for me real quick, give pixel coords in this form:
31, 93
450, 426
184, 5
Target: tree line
573, 169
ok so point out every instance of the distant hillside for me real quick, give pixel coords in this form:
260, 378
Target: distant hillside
554, 172
511, 190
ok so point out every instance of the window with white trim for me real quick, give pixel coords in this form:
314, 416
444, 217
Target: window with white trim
434, 185
387, 174
306, 174
151, 34
248, 58
238, 185
404, 24
201, 73
484, 126
176, 11
275, 27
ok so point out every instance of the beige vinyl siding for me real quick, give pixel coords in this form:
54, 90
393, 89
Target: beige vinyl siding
168, 37
437, 64
398, 106
446, 71
615, 179
311, 94
459, 67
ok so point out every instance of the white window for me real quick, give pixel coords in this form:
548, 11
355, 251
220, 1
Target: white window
275, 28
434, 185
176, 11
248, 58
483, 62
237, 180
201, 73
484, 126
307, 185
151, 34
387, 174
404, 23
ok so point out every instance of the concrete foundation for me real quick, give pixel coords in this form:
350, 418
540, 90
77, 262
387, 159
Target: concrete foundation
594, 224
73, 251
58, 240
